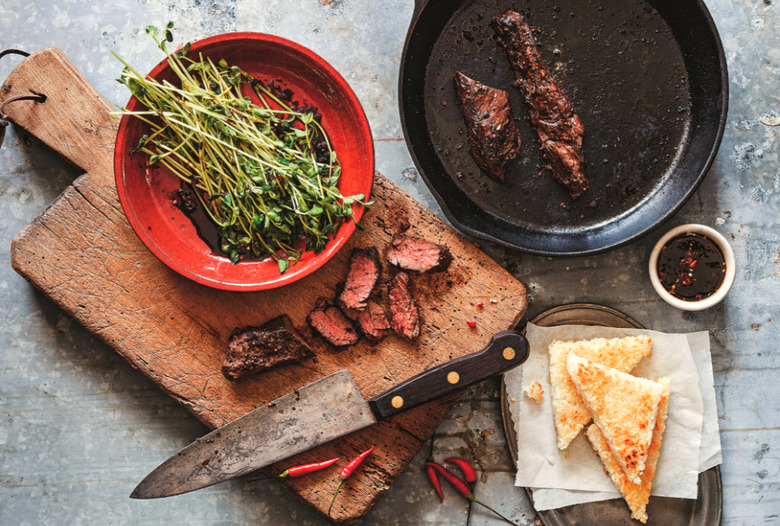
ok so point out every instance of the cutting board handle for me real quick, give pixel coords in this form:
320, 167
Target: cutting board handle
506, 350
74, 121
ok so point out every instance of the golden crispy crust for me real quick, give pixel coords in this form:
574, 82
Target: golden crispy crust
569, 411
623, 406
636, 495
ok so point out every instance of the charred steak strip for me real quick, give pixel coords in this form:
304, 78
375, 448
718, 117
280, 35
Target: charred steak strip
558, 127
328, 320
419, 255
364, 270
493, 136
371, 321
255, 349
405, 314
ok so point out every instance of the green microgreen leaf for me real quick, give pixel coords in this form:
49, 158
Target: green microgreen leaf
251, 165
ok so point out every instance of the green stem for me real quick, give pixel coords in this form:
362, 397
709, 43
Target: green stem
246, 160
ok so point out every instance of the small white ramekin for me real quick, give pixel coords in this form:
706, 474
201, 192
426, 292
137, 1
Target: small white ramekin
728, 279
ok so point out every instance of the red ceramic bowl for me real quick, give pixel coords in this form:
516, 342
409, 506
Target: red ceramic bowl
146, 194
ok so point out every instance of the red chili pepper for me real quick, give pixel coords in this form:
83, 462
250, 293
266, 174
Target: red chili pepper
461, 487
348, 470
434, 479
468, 472
305, 469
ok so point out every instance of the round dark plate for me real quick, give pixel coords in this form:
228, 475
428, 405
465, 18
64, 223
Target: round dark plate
706, 510
146, 194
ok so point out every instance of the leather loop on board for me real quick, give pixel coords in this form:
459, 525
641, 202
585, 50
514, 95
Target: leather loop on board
13, 52
4, 122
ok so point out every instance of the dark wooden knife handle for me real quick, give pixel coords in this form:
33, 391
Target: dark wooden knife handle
506, 350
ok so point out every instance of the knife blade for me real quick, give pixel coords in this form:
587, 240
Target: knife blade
317, 413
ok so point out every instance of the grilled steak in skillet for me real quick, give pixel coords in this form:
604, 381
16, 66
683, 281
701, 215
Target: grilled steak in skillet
364, 270
419, 255
558, 127
406, 316
255, 349
493, 137
329, 321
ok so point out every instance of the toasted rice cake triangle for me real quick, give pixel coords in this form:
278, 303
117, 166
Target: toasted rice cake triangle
623, 406
569, 411
636, 495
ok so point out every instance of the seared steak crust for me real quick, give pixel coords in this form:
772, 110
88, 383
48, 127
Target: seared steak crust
331, 323
255, 349
419, 255
372, 321
364, 270
493, 136
405, 314
558, 127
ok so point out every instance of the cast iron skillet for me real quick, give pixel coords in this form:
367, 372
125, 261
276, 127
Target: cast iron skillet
647, 77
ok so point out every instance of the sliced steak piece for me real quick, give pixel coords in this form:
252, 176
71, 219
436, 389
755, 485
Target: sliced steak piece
405, 314
371, 322
255, 349
493, 136
328, 320
419, 255
364, 270
558, 127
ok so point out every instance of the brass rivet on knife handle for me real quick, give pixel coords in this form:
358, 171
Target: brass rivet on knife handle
453, 377
397, 402
509, 353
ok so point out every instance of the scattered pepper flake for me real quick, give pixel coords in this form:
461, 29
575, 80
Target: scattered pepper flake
480, 304
471, 324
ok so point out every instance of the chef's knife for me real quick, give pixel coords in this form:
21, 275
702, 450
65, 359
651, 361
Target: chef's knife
314, 414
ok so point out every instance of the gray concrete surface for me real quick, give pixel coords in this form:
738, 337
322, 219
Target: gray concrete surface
79, 428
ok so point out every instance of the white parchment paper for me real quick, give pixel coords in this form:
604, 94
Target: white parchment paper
559, 479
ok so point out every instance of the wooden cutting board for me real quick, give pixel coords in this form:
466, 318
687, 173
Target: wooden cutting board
82, 253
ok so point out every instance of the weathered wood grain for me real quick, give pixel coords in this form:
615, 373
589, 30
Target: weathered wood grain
74, 121
82, 253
